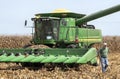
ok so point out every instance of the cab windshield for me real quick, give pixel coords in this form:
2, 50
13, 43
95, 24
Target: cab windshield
46, 28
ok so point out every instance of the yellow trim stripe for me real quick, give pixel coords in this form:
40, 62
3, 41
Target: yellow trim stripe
90, 40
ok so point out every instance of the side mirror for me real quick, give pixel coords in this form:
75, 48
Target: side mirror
26, 25
25, 22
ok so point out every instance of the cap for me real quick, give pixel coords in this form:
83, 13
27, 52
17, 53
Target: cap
105, 44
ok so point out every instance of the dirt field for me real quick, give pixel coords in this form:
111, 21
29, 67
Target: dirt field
16, 71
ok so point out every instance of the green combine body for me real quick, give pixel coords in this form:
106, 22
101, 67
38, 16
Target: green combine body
68, 37
60, 30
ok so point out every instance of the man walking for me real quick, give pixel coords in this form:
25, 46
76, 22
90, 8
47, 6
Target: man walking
104, 57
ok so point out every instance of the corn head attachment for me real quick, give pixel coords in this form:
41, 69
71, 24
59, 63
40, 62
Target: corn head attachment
48, 55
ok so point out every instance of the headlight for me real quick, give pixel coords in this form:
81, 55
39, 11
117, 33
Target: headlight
49, 37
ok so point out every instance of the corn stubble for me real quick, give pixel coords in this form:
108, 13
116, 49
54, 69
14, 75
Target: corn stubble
16, 71
14, 41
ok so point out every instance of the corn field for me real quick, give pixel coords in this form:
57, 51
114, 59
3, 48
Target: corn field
113, 42
20, 41
14, 41
16, 71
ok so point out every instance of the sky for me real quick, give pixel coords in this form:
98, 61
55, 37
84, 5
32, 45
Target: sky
13, 14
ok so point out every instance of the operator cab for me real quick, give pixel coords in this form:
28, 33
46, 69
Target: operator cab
46, 28
47, 25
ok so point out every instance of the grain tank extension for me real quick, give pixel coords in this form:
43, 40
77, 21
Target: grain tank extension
60, 37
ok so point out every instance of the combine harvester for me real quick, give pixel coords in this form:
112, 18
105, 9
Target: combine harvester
60, 37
